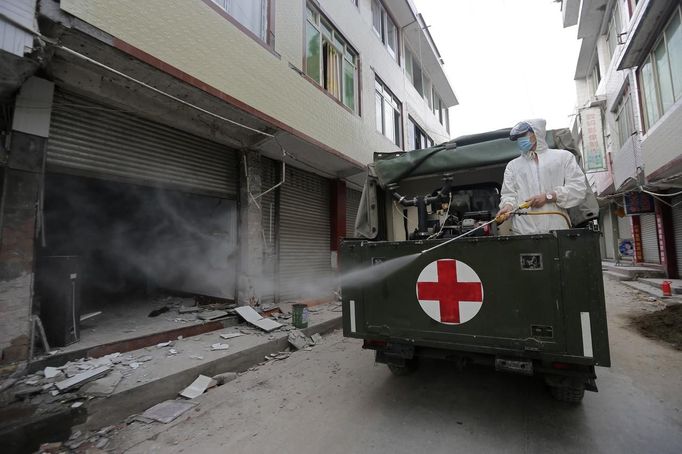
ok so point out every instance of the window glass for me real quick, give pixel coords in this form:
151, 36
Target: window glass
663, 71
349, 84
389, 124
376, 17
649, 92
379, 112
249, 13
391, 37
408, 65
312, 66
674, 37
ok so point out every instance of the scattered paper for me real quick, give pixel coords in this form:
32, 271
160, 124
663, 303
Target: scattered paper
197, 388
251, 316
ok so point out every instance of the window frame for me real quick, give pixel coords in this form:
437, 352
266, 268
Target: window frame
615, 22
624, 111
428, 141
650, 59
268, 42
328, 33
382, 34
386, 95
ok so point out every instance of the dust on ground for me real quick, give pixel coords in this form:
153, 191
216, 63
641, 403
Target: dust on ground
665, 325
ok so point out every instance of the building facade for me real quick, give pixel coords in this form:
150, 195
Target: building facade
211, 147
629, 123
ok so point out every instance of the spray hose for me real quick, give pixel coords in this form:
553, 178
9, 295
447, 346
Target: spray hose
503, 217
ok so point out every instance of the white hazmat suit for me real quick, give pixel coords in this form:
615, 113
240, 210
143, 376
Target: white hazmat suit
554, 170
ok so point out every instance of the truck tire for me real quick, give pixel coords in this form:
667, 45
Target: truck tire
400, 371
569, 394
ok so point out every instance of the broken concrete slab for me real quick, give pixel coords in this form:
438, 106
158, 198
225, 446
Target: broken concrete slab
220, 346
251, 316
188, 310
168, 410
82, 378
104, 386
230, 335
197, 387
298, 340
316, 338
212, 315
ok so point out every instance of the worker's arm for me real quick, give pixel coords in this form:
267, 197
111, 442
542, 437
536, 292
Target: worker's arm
574, 190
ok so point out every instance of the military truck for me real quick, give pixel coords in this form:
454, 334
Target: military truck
433, 276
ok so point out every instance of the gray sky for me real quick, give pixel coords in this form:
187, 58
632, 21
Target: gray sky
507, 60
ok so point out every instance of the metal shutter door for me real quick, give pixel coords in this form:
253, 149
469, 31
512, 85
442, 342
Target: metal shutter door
352, 204
607, 229
270, 176
677, 229
624, 228
649, 238
304, 240
92, 139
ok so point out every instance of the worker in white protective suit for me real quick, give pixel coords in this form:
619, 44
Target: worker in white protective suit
548, 179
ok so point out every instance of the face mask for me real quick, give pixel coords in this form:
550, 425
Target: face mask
524, 144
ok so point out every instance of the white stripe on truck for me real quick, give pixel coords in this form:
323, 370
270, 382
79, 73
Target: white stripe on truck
587, 334
352, 316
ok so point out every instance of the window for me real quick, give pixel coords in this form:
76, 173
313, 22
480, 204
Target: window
252, 14
385, 28
660, 75
417, 139
388, 113
625, 118
330, 60
414, 72
440, 111
613, 30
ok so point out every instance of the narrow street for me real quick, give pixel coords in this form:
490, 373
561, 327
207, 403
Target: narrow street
334, 399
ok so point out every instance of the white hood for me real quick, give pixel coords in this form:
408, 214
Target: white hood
539, 126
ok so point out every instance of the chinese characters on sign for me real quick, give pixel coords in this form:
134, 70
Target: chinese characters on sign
594, 155
638, 203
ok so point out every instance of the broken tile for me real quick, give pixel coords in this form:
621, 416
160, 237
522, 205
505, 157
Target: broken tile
134, 365
144, 358
104, 386
251, 316
168, 410
76, 404
316, 338
230, 335
172, 351
220, 346
51, 372
212, 315
164, 344
82, 378
197, 387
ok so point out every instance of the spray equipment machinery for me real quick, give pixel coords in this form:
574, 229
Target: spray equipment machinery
447, 280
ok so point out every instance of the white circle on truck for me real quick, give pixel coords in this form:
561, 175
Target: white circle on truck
449, 291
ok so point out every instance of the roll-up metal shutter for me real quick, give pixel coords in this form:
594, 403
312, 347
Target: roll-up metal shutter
304, 236
607, 231
92, 139
624, 231
649, 238
270, 176
352, 204
677, 232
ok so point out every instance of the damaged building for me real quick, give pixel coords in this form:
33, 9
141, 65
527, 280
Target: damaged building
211, 148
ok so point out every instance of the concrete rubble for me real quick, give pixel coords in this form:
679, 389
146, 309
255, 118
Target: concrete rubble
93, 381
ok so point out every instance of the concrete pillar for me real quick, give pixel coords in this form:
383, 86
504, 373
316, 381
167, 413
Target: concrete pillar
22, 181
250, 282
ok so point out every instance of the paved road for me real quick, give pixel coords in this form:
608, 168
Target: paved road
335, 400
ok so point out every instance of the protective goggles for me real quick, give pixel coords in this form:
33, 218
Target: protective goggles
519, 130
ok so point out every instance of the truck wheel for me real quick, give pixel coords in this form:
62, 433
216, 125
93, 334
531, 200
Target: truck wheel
400, 371
570, 394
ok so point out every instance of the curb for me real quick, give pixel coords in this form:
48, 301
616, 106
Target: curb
117, 407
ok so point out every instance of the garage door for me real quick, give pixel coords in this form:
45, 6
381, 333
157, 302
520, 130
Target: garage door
92, 139
304, 241
677, 228
649, 238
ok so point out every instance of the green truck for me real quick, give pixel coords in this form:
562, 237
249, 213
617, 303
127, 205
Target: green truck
432, 275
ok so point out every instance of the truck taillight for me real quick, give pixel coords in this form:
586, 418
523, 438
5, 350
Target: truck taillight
561, 366
371, 344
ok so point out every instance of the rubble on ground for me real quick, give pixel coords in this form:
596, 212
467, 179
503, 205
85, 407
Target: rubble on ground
664, 324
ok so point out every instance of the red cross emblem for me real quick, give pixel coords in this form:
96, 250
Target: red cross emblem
449, 291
